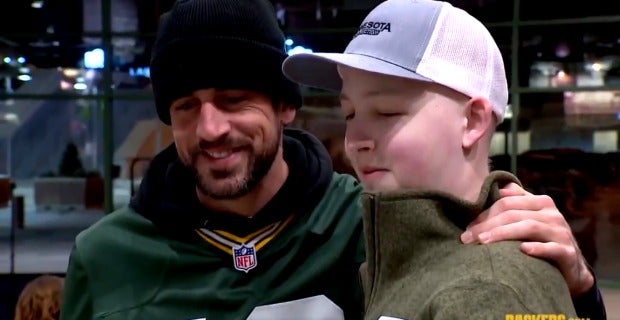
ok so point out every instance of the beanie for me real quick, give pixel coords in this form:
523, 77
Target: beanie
224, 44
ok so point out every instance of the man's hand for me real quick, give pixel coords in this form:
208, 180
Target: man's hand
520, 215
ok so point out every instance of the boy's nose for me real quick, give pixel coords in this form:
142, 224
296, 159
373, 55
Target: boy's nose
361, 145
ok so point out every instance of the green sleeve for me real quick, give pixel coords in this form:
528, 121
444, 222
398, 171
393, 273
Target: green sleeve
77, 302
488, 301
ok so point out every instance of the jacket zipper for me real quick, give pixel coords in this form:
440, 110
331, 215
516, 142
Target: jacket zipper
375, 258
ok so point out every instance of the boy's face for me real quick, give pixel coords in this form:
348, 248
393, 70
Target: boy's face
401, 133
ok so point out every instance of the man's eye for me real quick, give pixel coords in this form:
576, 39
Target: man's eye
182, 106
185, 105
349, 116
234, 99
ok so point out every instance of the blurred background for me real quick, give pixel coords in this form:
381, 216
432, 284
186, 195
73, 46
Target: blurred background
78, 123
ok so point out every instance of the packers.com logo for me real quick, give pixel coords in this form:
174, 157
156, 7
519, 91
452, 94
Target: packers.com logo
523, 316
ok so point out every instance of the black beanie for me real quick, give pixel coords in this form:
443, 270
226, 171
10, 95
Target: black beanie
226, 44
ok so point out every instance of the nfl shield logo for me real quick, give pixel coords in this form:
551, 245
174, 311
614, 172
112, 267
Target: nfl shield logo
244, 258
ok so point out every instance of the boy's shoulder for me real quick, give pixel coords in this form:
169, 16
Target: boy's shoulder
505, 262
532, 279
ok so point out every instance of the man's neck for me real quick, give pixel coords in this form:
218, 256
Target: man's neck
249, 204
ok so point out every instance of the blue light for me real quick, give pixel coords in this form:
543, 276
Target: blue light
290, 50
298, 49
140, 72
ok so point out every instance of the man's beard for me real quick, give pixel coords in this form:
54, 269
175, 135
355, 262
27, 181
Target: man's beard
241, 182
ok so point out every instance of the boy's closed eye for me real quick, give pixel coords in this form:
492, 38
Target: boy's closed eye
390, 114
387, 114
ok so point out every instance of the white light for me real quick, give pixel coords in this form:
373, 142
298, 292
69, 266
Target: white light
80, 86
21, 60
37, 4
11, 117
597, 66
94, 59
24, 77
508, 112
288, 42
7, 60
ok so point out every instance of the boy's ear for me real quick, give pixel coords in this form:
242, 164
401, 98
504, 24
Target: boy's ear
479, 120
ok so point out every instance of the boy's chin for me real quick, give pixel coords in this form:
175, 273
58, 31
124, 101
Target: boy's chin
379, 186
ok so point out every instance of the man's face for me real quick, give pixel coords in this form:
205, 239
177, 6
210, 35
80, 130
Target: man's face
230, 138
401, 133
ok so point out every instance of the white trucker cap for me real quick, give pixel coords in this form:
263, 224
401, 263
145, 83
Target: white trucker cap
423, 40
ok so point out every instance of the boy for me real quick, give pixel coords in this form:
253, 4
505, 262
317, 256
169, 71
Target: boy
423, 87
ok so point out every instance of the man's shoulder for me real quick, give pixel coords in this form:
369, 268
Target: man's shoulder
122, 243
346, 178
113, 230
339, 205
343, 187
122, 246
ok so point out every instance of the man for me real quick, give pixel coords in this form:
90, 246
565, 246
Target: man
405, 114
240, 218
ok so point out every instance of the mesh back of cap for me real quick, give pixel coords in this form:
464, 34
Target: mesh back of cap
462, 55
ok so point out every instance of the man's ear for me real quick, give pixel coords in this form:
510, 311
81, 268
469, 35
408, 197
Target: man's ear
286, 113
479, 120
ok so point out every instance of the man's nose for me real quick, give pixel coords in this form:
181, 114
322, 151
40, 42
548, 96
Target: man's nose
213, 124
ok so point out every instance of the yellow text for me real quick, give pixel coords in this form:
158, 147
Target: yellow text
540, 316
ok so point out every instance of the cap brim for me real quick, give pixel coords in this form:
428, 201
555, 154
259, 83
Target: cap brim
319, 70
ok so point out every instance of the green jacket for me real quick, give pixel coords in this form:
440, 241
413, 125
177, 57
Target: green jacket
417, 268
123, 268
169, 257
